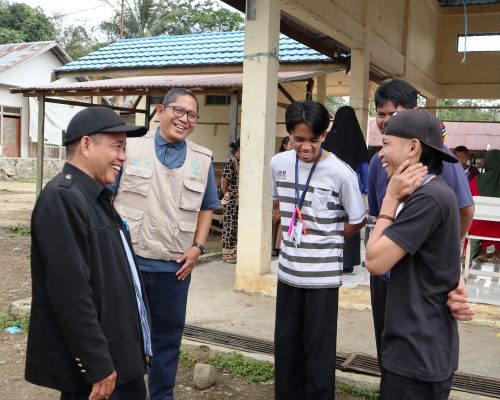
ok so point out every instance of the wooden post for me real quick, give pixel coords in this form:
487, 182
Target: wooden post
147, 118
40, 148
233, 116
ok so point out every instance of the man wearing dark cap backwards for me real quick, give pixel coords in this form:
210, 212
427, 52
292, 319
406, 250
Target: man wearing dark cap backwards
417, 237
89, 332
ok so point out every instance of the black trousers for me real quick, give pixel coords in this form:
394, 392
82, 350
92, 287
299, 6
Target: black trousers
378, 292
397, 387
305, 342
133, 390
351, 254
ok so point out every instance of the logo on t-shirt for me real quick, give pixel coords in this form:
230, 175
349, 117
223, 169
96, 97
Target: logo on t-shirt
280, 175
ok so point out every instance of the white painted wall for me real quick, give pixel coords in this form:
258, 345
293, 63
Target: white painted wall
31, 72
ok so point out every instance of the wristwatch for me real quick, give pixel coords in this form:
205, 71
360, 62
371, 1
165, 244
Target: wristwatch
203, 249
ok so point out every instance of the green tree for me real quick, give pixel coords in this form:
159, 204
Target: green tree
469, 114
144, 18
333, 103
21, 23
77, 40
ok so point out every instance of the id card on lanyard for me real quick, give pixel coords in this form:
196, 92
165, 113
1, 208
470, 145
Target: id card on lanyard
296, 228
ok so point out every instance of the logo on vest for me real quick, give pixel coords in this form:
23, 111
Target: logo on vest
195, 169
142, 161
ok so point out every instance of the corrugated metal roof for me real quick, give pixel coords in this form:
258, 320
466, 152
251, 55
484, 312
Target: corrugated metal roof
160, 82
12, 54
473, 135
184, 50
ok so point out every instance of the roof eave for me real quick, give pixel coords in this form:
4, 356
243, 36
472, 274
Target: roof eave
183, 70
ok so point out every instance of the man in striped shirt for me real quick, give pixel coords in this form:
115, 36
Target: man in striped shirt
320, 204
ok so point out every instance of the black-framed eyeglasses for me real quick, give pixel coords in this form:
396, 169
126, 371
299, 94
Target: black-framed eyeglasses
180, 112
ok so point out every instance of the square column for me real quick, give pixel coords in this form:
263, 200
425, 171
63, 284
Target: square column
432, 103
321, 91
258, 131
360, 86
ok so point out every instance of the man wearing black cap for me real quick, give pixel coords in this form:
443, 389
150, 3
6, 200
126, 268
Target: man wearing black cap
417, 237
89, 332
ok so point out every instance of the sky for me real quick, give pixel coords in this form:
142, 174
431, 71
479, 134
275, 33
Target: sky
91, 12
88, 12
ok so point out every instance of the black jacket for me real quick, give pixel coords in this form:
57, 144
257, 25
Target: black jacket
84, 321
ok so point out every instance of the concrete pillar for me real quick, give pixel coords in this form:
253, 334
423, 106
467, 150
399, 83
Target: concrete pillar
258, 131
360, 86
432, 103
321, 82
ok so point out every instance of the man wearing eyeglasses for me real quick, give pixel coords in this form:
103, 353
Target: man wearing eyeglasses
166, 195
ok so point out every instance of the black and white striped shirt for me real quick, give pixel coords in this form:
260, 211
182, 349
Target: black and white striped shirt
332, 197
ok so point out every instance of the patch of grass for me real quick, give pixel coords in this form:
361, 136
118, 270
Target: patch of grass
252, 371
7, 320
19, 229
362, 394
185, 359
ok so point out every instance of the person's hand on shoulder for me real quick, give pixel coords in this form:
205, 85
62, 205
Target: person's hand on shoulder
104, 388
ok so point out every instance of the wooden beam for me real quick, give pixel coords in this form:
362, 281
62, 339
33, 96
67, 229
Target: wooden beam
40, 147
147, 110
84, 104
285, 93
233, 116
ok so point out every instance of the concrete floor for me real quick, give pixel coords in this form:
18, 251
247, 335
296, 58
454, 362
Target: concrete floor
213, 304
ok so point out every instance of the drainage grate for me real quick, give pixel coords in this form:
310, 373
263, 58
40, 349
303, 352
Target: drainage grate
237, 342
355, 362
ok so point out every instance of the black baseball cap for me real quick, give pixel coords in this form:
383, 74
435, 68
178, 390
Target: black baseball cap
99, 120
418, 124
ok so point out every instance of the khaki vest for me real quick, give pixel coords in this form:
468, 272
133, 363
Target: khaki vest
160, 204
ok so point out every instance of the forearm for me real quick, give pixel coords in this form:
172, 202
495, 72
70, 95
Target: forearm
466, 216
203, 226
350, 229
376, 260
224, 183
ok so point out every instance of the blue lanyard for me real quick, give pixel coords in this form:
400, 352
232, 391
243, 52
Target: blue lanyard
299, 200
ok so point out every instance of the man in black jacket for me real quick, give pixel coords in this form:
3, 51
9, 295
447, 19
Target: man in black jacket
89, 331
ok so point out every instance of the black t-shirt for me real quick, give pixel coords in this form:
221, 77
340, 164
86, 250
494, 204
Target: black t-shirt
420, 339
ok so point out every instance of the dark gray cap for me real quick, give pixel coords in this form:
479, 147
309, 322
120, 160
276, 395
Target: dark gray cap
96, 120
418, 124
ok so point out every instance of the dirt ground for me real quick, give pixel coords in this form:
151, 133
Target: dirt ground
16, 202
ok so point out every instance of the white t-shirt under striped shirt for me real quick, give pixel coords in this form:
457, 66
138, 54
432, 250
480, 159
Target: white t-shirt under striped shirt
332, 197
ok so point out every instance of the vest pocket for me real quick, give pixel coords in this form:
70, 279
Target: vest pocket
134, 220
136, 179
192, 195
185, 237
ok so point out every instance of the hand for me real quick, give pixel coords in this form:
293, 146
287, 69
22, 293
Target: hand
457, 303
406, 180
190, 258
103, 389
276, 215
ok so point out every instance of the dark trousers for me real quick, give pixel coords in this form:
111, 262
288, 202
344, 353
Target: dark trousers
397, 387
133, 390
351, 254
378, 292
305, 341
167, 298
